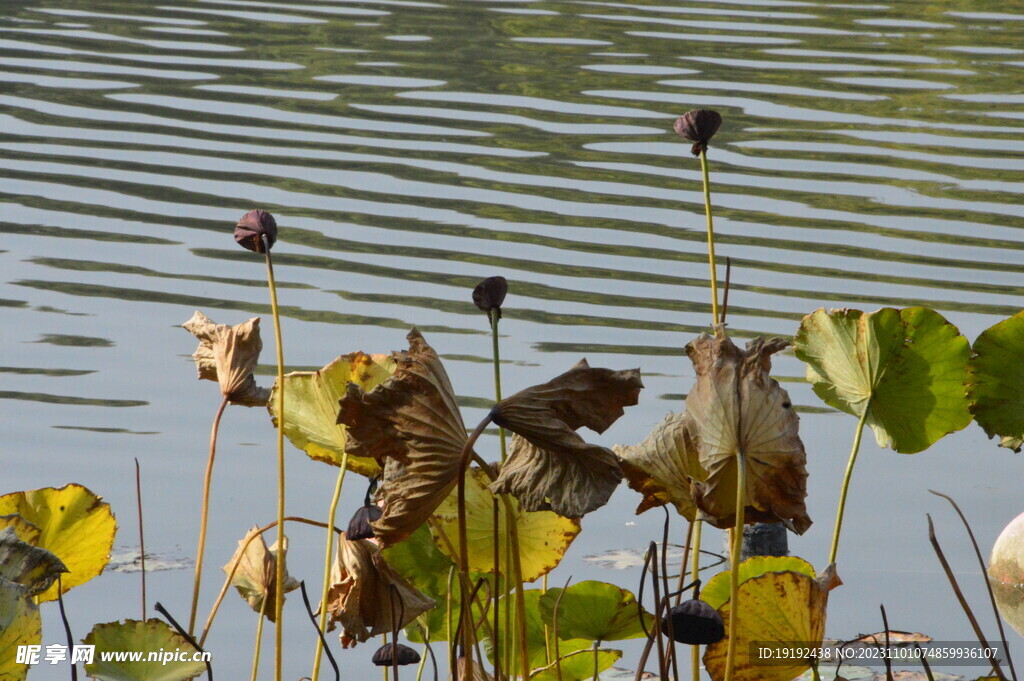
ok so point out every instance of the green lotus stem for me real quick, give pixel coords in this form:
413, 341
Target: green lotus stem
205, 514
328, 558
423, 657
231, 574
279, 600
517, 576
496, 358
846, 483
259, 640
734, 568
465, 605
711, 235
142, 537
698, 525
448, 618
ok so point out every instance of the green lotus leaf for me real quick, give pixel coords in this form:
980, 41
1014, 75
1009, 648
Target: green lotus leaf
311, 407
581, 665
151, 636
596, 611
74, 524
20, 625
32, 567
544, 536
905, 367
781, 610
716, 592
26, 531
995, 381
538, 650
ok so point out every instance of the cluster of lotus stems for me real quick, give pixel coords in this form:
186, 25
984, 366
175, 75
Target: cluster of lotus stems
446, 540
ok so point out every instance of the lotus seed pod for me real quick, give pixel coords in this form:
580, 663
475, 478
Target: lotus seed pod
359, 527
699, 127
253, 228
489, 294
695, 622
395, 653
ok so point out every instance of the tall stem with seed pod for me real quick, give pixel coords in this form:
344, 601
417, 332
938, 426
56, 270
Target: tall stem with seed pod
328, 558
205, 514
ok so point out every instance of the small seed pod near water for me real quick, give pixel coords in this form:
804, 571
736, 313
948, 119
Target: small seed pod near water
489, 294
698, 126
253, 228
359, 527
391, 654
695, 622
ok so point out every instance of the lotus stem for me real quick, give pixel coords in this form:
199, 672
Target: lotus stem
597, 661
554, 626
664, 576
465, 606
234, 567
205, 514
734, 568
259, 640
142, 536
423, 657
711, 235
496, 358
698, 525
64, 619
279, 601
846, 483
328, 558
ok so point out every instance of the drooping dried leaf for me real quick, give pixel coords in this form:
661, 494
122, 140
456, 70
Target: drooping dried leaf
412, 426
663, 466
479, 673
26, 531
359, 599
228, 355
737, 406
550, 467
311, 407
32, 567
256, 575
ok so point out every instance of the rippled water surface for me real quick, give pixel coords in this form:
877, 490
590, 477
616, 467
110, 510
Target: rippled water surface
871, 155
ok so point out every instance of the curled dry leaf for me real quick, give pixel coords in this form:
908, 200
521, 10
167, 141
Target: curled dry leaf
664, 466
737, 407
256, 575
359, 598
32, 567
550, 467
412, 426
228, 355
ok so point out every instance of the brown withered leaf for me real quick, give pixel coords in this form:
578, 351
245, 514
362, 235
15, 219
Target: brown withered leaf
664, 466
256, 575
359, 597
34, 568
736, 405
550, 467
412, 426
228, 355
479, 673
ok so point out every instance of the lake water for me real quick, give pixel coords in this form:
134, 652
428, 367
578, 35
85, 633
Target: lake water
871, 155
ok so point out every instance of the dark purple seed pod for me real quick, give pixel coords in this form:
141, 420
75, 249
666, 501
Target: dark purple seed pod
390, 654
695, 622
253, 228
359, 527
698, 126
489, 294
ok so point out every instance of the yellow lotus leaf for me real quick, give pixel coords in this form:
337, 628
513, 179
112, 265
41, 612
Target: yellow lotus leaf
311, 407
32, 567
228, 355
664, 466
581, 665
74, 524
550, 467
780, 610
26, 531
151, 636
255, 578
411, 425
544, 536
737, 407
360, 595
20, 625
